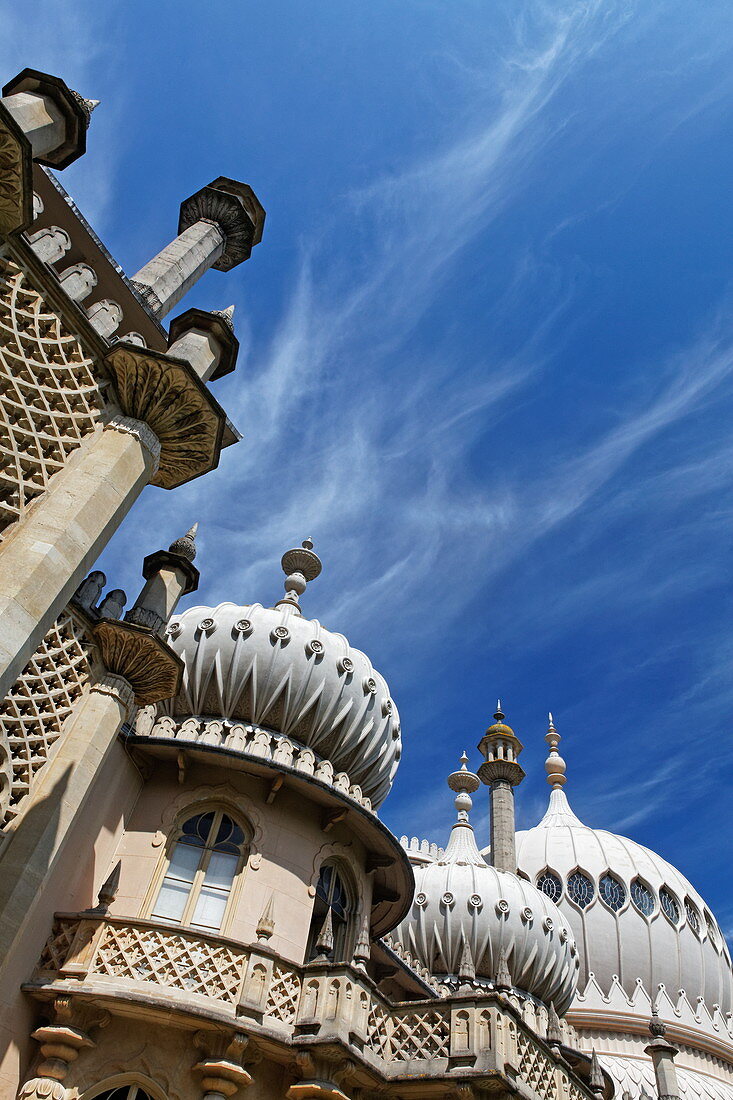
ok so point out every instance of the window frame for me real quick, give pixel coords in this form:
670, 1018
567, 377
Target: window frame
350, 911
173, 839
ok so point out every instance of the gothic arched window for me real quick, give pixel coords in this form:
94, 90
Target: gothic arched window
612, 892
329, 923
122, 1092
551, 885
670, 908
693, 917
580, 889
207, 854
642, 897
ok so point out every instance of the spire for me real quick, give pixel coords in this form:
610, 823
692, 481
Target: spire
266, 923
462, 847
186, 544
501, 772
503, 978
466, 967
554, 1031
558, 811
227, 316
596, 1082
324, 943
300, 565
363, 949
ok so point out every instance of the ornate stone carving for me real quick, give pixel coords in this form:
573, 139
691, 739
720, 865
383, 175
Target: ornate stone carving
141, 431
167, 396
16, 195
144, 661
50, 397
32, 716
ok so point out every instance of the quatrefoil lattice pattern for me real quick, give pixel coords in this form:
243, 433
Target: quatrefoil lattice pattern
282, 999
170, 959
50, 399
33, 714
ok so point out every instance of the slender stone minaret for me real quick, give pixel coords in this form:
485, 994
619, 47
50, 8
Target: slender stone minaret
218, 227
206, 341
663, 1054
169, 574
501, 772
52, 116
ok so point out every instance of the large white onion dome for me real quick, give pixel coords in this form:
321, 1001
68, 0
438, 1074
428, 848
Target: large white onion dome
471, 921
636, 918
271, 667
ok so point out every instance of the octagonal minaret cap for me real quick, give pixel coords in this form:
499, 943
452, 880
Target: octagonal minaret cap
500, 746
205, 339
53, 117
235, 208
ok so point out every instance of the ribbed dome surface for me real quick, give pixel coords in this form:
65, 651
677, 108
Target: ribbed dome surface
461, 899
641, 920
273, 668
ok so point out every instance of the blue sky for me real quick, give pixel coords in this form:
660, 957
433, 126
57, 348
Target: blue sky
487, 361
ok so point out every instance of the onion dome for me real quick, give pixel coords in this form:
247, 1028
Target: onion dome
272, 668
470, 919
636, 918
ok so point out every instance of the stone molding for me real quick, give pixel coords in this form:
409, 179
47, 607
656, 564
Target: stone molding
118, 687
313, 1009
167, 395
141, 431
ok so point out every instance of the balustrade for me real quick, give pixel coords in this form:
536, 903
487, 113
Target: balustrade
478, 1030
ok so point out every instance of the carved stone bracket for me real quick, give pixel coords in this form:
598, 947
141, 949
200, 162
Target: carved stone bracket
61, 1042
150, 667
16, 174
221, 1069
167, 395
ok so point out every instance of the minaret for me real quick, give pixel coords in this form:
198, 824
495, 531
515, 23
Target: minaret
501, 772
218, 227
53, 117
169, 574
662, 1054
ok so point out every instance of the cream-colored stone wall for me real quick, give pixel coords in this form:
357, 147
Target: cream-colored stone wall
82, 862
287, 848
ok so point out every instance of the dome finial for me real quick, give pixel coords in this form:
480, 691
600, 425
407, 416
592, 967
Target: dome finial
499, 716
300, 565
464, 783
554, 765
186, 544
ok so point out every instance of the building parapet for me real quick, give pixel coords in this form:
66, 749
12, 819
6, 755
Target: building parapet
163, 970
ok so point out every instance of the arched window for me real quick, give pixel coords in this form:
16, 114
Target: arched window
612, 892
712, 930
693, 917
550, 884
123, 1092
670, 908
329, 923
642, 897
207, 855
580, 889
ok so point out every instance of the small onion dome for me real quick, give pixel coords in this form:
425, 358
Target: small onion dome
271, 667
463, 907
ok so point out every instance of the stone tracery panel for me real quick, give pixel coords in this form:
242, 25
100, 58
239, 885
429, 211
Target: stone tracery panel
50, 399
33, 714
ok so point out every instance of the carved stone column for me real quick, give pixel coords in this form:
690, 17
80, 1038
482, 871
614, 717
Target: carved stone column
321, 1079
53, 118
47, 556
53, 807
663, 1054
218, 227
61, 1041
221, 1069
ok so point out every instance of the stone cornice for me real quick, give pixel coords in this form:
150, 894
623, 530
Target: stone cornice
167, 395
150, 667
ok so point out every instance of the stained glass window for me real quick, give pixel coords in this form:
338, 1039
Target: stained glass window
580, 889
612, 891
670, 908
642, 897
693, 917
550, 884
